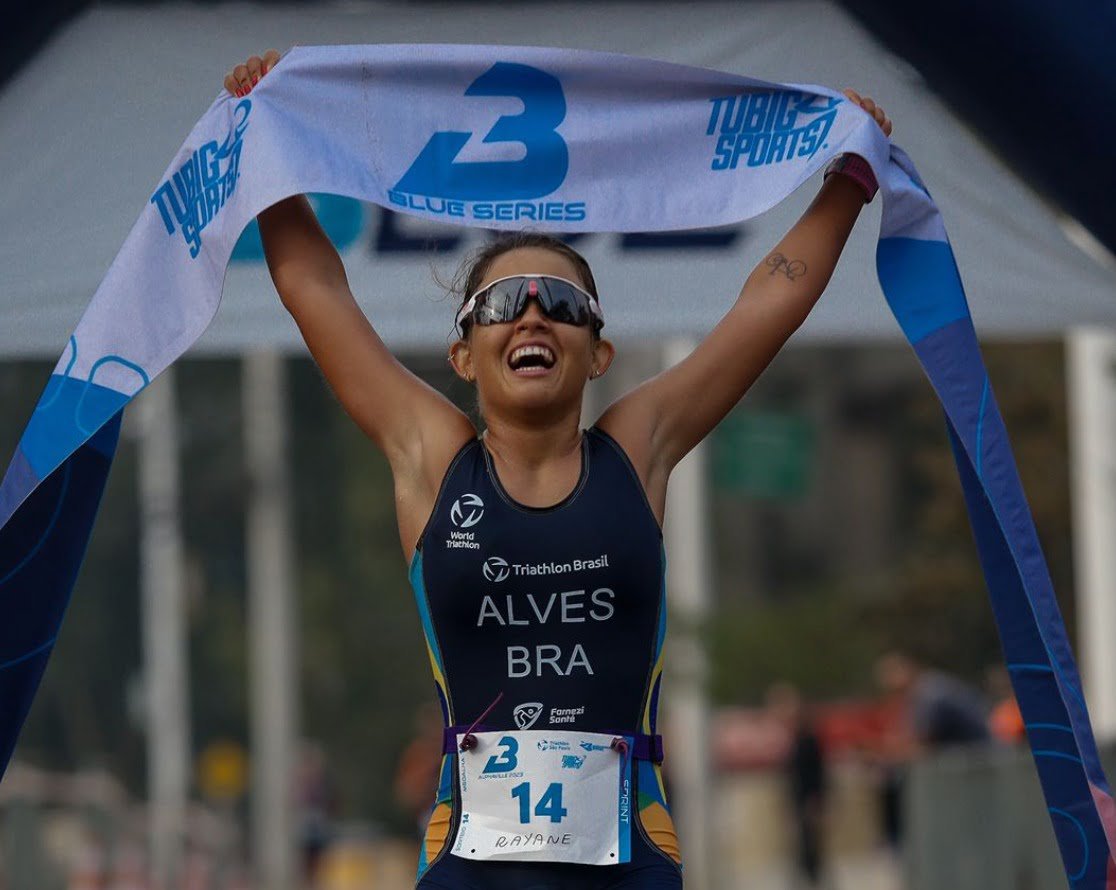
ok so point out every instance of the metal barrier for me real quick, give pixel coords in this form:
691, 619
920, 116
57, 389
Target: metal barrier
82, 832
976, 820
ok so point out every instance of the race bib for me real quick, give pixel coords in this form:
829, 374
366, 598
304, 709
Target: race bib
545, 797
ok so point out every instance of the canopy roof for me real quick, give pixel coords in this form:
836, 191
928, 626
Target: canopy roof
87, 128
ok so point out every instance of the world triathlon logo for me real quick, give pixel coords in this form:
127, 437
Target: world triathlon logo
769, 127
496, 569
197, 191
526, 714
467, 511
437, 182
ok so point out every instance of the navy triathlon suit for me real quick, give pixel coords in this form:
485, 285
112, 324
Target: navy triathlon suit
560, 613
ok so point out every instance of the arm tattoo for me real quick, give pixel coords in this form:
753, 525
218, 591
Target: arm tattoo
791, 268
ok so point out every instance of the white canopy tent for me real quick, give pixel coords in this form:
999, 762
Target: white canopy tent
87, 128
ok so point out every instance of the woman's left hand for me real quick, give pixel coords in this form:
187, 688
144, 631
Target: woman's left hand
872, 108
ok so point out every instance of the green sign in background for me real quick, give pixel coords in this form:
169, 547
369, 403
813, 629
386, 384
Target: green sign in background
763, 454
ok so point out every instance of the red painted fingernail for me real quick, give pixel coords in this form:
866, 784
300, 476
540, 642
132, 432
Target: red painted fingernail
255, 80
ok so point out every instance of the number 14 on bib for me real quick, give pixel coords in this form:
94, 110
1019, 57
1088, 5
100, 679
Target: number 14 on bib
545, 797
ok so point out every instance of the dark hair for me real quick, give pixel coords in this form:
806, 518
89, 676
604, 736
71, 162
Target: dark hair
473, 269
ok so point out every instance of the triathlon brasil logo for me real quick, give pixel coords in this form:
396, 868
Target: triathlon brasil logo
197, 191
438, 183
527, 713
467, 511
496, 568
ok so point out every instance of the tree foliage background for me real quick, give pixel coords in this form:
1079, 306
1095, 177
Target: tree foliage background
823, 630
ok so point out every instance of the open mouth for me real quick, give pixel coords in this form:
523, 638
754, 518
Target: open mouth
533, 359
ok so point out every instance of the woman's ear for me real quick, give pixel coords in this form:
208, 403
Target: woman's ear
461, 357
603, 354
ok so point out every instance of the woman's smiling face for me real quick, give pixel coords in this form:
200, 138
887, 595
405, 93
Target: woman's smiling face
530, 363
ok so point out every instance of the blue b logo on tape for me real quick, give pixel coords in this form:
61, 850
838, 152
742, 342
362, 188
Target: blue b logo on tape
438, 183
435, 171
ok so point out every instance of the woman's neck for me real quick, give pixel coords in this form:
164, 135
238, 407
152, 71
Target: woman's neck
532, 446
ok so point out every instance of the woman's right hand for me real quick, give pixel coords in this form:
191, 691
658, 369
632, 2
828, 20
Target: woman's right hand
243, 77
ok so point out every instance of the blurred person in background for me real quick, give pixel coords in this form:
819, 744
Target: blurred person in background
549, 494
416, 773
941, 710
805, 770
931, 711
316, 800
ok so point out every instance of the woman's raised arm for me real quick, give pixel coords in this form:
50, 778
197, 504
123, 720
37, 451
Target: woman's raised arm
395, 408
416, 427
661, 420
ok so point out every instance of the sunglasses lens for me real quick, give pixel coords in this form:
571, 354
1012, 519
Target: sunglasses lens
506, 300
564, 304
498, 304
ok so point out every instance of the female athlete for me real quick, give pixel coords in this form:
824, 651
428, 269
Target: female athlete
535, 549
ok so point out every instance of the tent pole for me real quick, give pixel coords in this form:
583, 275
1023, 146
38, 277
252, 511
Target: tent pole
271, 609
1091, 381
685, 695
164, 631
